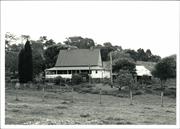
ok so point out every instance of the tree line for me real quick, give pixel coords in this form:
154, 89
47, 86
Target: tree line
45, 51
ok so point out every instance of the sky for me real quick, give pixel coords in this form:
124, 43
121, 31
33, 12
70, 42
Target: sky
130, 24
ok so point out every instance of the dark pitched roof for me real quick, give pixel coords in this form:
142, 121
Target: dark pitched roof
79, 57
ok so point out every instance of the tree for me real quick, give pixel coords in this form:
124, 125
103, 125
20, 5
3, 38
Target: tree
49, 43
148, 53
78, 41
25, 66
165, 69
133, 54
11, 62
155, 58
38, 58
51, 54
9, 38
125, 78
123, 61
142, 55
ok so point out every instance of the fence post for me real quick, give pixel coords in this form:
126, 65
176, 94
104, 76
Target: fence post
72, 95
100, 95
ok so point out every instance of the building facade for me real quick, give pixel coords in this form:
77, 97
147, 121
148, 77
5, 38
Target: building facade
79, 61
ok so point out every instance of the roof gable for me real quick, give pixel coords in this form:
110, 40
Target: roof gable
79, 57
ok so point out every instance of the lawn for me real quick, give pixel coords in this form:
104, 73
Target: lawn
58, 108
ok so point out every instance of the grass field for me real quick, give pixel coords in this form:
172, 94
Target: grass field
58, 109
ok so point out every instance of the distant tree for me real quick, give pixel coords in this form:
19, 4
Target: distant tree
133, 54
25, 66
165, 69
9, 38
155, 58
78, 41
43, 38
25, 37
49, 43
148, 53
107, 44
142, 55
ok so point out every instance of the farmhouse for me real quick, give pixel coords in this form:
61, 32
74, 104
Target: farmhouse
143, 70
76, 61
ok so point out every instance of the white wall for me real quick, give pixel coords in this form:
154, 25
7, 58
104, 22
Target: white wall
99, 74
62, 75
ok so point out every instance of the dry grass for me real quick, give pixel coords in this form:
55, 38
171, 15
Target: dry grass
58, 108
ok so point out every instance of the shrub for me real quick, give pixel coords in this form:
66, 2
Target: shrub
124, 78
76, 79
58, 80
107, 81
50, 80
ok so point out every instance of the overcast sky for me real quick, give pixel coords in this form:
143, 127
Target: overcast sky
131, 24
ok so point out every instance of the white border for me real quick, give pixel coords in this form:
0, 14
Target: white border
2, 80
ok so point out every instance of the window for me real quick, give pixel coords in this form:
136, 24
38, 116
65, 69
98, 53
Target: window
62, 72
69, 71
96, 71
50, 72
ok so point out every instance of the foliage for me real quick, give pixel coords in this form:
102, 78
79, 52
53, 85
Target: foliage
166, 68
51, 54
78, 41
25, 66
125, 78
133, 54
141, 55
11, 61
58, 80
106, 49
49, 43
124, 64
146, 80
76, 79
9, 38
38, 58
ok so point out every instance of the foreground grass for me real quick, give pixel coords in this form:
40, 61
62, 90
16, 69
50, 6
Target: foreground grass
58, 109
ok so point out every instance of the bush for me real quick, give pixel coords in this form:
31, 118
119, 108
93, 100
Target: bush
77, 79
124, 78
58, 80
50, 80
107, 81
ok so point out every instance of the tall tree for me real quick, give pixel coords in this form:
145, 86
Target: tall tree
25, 66
165, 69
